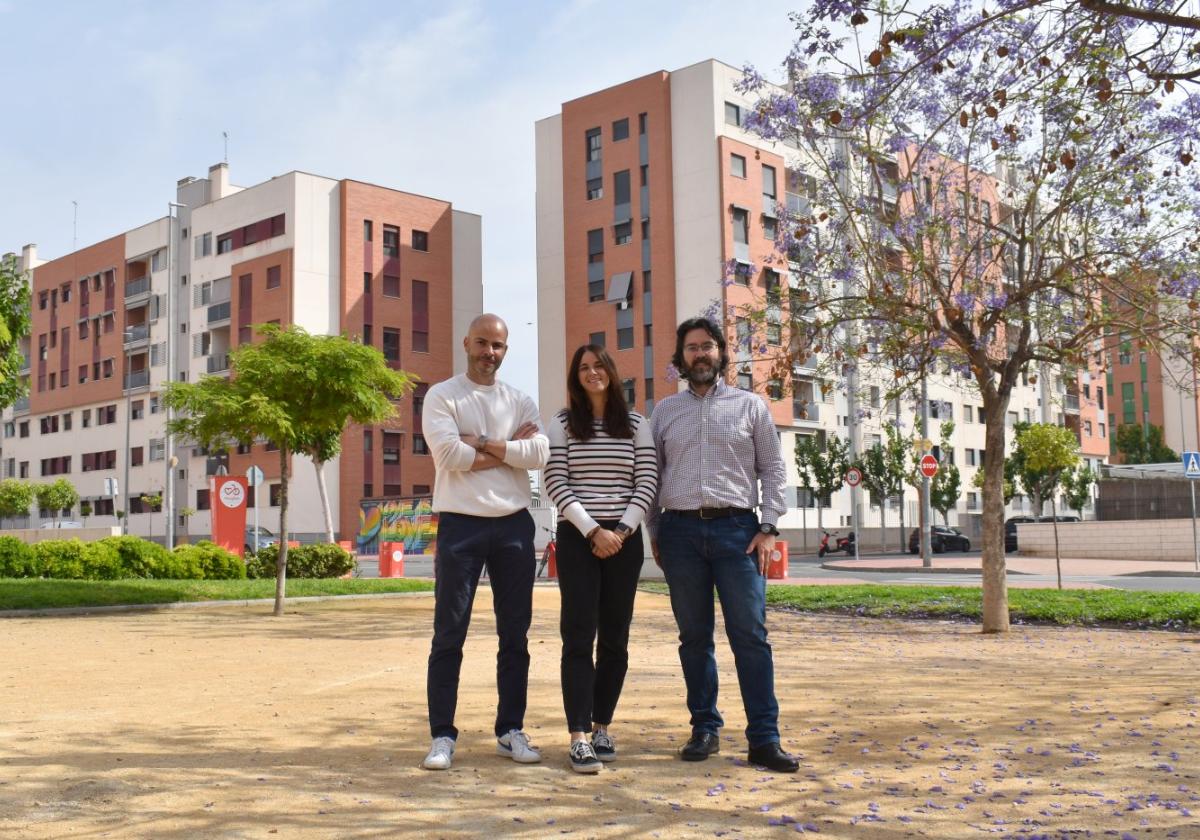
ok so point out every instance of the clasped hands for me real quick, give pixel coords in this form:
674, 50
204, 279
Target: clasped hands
606, 542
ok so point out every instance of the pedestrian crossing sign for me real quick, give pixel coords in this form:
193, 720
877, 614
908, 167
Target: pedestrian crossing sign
1191, 464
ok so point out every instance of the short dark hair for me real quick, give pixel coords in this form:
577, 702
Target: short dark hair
709, 327
579, 409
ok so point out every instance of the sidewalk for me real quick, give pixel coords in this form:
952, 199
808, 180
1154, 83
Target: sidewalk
1017, 564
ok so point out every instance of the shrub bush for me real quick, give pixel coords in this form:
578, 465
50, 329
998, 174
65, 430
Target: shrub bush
139, 558
316, 560
76, 560
17, 559
212, 561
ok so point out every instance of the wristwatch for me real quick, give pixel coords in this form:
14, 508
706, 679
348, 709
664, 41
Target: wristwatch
623, 530
767, 528
481, 443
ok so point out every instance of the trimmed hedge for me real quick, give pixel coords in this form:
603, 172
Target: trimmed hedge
315, 560
116, 558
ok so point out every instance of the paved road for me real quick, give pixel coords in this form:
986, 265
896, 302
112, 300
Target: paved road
809, 567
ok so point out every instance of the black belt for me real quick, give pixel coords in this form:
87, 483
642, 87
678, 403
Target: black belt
712, 512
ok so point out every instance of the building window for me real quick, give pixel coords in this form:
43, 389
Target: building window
367, 338
737, 166
274, 492
641, 123
620, 130
391, 286
420, 240
420, 316
137, 409
419, 446
391, 241
391, 447
627, 388
202, 502
621, 187
595, 244
154, 405
624, 338
157, 449
419, 401
391, 344
368, 440
741, 226
595, 188
273, 277
770, 228
623, 233
592, 141
368, 230
733, 114
225, 243
596, 339
135, 456
420, 489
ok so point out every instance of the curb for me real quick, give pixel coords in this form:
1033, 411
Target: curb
935, 570
49, 612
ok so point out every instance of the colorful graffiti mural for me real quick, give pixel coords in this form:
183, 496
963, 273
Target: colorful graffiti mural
408, 521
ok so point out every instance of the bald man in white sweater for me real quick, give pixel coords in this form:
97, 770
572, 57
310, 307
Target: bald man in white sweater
485, 436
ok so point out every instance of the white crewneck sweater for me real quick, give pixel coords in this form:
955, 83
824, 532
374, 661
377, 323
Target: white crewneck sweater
459, 406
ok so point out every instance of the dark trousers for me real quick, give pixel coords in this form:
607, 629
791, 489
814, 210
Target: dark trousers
698, 554
597, 606
466, 545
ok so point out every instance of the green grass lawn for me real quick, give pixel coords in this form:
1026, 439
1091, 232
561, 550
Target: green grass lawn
1070, 607
34, 594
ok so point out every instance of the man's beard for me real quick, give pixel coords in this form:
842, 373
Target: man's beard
700, 373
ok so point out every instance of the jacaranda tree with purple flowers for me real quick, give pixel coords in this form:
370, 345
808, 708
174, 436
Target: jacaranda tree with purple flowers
994, 191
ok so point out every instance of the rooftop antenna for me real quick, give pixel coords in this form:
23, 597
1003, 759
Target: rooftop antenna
74, 225
225, 135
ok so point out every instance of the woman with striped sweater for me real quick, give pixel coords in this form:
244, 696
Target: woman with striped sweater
602, 476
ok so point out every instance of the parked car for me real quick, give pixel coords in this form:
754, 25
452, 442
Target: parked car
265, 537
1010, 531
943, 539
63, 523
1058, 519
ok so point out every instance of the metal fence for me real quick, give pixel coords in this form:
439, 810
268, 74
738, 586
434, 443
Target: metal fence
1143, 499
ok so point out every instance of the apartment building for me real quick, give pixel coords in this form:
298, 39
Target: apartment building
1150, 389
655, 205
114, 321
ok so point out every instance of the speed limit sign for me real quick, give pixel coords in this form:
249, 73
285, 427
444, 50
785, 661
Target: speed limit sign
854, 476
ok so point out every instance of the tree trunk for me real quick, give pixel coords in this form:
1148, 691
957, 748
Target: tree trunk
320, 467
1057, 556
903, 545
281, 564
994, 576
883, 524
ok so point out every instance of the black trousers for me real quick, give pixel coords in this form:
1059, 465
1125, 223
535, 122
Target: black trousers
465, 546
597, 606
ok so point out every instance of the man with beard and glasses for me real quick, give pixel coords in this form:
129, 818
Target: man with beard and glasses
716, 446
484, 437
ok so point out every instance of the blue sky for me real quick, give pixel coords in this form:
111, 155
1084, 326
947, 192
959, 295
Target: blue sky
110, 103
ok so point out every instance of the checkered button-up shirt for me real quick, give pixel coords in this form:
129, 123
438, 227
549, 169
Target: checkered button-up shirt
715, 451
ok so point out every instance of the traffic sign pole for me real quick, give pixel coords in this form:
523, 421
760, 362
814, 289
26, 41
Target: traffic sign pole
254, 477
1191, 469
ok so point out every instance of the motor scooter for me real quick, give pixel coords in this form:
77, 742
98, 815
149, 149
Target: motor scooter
845, 544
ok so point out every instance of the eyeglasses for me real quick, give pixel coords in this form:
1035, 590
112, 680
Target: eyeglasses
706, 348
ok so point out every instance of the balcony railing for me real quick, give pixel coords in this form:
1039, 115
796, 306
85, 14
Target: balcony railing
140, 286
137, 379
21, 405
136, 333
218, 312
218, 363
25, 363
1071, 402
806, 411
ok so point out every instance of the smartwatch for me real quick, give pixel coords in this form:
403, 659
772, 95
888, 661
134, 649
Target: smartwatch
767, 528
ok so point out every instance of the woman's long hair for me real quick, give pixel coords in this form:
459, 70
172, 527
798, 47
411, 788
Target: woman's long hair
579, 411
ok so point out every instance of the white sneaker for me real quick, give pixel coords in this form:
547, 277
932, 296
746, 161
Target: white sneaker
441, 754
516, 746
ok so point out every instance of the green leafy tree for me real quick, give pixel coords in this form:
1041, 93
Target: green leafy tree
57, 496
945, 489
1047, 453
822, 469
153, 502
294, 389
1008, 485
16, 497
1077, 488
883, 467
1143, 446
14, 325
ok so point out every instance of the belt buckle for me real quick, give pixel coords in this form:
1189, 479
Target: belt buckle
702, 513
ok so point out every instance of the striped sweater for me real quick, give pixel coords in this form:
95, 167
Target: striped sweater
601, 478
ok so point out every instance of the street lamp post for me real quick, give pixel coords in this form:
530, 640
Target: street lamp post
169, 439
126, 337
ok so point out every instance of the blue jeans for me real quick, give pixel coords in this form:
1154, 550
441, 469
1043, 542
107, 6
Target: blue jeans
698, 554
466, 545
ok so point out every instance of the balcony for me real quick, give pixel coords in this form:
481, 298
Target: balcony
806, 411
21, 406
136, 334
218, 313
137, 379
25, 363
139, 288
798, 205
805, 365
218, 363
1071, 403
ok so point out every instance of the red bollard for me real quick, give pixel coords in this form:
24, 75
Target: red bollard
777, 568
391, 559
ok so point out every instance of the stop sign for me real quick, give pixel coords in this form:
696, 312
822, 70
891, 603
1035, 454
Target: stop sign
929, 466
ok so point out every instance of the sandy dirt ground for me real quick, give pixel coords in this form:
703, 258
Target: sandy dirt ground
227, 723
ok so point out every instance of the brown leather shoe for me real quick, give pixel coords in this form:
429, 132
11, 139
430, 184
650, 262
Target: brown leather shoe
774, 758
700, 747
